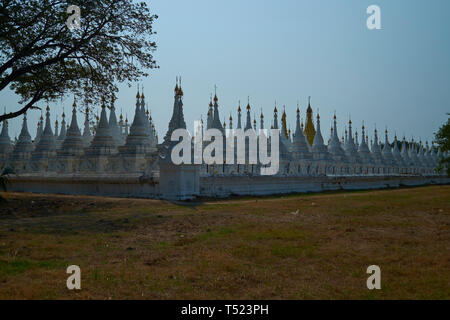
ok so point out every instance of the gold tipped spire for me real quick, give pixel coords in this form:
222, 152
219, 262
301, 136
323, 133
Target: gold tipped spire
176, 86
180, 91
309, 110
310, 131
284, 124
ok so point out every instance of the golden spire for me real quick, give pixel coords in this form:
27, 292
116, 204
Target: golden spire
248, 103
137, 94
275, 110
284, 124
239, 108
309, 110
310, 131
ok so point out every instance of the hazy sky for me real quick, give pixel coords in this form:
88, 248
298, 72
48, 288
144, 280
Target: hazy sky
287, 50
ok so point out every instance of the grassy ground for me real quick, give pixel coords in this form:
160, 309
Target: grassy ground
291, 247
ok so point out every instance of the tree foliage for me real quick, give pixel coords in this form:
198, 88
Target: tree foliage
40, 58
442, 139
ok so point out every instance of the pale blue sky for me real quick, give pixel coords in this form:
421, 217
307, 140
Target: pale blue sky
287, 50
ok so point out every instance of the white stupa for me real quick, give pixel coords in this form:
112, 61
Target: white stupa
300, 147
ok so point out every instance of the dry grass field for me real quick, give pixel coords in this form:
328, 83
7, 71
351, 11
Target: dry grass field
285, 247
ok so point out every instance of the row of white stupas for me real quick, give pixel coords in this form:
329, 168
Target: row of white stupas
117, 148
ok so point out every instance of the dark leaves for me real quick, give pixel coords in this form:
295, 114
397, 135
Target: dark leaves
38, 53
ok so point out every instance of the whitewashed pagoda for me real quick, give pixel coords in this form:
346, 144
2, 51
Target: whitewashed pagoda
110, 157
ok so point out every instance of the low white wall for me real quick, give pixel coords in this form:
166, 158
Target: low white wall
261, 185
99, 185
218, 186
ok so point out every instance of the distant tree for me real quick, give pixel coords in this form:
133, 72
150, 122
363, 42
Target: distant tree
42, 59
442, 139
